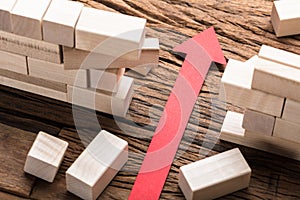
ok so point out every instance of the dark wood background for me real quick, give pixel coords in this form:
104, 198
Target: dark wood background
242, 27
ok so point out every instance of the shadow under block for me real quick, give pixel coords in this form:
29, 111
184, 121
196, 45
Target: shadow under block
277, 79
118, 35
287, 130
29, 47
97, 165
114, 104
45, 156
5, 8
237, 80
59, 22
291, 111
56, 72
232, 131
285, 17
215, 176
13, 62
26, 17
258, 122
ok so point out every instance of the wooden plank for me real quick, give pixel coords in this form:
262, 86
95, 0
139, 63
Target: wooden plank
215, 176
232, 131
26, 18
59, 22
285, 17
258, 122
6, 196
116, 104
98, 164
114, 37
237, 80
56, 72
13, 62
45, 156
5, 8
291, 111
29, 47
14, 145
287, 130
275, 78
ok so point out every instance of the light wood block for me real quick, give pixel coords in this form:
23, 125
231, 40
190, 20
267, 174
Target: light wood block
26, 18
29, 47
232, 131
287, 130
56, 72
45, 156
6, 7
277, 79
285, 17
215, 176
13, 62
95, 168
237, 80
280, 56
291, 111
257, 122
59, 22
116, 104
114, 37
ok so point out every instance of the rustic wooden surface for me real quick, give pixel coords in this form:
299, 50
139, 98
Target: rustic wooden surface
242, 27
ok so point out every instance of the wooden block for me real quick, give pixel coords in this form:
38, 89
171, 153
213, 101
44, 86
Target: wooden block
287, 130
277, 79
29, 47
95, 168
5, 8
280, 56
13, 62
26, 18
116, 104
291, 111
285, 17
45, 156
59, 22
237, 80
232, 131
56, 72
114, 37
257, 122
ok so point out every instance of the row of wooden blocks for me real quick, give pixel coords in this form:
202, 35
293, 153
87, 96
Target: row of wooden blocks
267, 86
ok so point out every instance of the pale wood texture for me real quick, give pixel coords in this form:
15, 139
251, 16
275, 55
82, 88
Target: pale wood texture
287, 130
13, 62
26, 18
59, 22
45, 156
5, 9
29, 47
215, 176
93, 170
291, 111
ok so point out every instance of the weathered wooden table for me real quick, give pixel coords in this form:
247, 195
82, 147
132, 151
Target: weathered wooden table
242, 27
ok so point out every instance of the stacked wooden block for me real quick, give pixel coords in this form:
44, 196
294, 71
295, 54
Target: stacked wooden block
268, 86
63, 50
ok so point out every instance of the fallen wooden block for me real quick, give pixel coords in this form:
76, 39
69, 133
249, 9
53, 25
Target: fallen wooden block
114, 37
56, 72
115, 104
287, 130
237, 80
5, 8
59, 22
277, 79
291, 111
45, 156
13, 62
285, 17
29, 47
257, 122
215, 176
232, 131
26, 17
97, 165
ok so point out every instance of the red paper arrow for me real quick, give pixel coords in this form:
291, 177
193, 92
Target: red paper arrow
201, 51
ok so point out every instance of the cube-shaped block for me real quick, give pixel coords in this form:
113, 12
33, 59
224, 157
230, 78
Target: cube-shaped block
45, 156
5, 8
